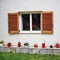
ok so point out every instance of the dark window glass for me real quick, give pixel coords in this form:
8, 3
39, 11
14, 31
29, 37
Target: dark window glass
26, 21
36, 22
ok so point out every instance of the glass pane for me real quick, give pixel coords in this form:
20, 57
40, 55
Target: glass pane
26, 21
36, 22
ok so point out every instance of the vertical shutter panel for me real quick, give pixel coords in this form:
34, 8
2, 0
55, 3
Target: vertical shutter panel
13, 24
47, 22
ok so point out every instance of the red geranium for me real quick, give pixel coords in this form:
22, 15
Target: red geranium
43, 45
19, 44
34, 25
57, 45
9, 44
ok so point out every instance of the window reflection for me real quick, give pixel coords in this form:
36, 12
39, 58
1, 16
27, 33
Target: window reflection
35, 21
26, 21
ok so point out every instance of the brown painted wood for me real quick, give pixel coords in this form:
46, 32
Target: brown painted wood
13, 23
47, 22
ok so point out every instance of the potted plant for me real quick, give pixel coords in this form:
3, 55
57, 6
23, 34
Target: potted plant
9, 44
43, 45
51, 46
1, 43
26, 44
57, 45
19, 44
35, 45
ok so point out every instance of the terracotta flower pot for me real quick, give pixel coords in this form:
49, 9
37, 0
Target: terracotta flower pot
35, 45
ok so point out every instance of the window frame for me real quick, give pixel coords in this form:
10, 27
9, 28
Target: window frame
30, 13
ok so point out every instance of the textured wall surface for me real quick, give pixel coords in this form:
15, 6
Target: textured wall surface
7, 6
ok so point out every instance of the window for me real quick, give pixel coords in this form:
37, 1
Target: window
26, 22
31, 22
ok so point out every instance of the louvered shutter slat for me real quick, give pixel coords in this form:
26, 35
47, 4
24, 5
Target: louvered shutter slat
47, 22
13, 25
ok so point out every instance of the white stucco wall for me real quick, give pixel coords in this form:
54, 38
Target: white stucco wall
7, 6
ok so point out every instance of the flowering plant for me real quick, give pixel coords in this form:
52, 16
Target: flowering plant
9, 44
1, 42
43, 45
57, 45
26, 44
19, 44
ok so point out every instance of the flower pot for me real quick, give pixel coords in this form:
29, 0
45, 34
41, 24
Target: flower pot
35, 45
43, 45
19, 44
26, 44
57, 45
1, 44
9, 44
51, 46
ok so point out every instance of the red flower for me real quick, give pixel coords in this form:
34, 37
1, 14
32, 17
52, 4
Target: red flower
9, 44
43, 45
19, 44
33, 25
57, 45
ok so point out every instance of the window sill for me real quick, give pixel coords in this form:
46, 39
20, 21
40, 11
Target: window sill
30, 32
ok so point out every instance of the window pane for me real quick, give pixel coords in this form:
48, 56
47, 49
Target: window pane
36, 22
26, 22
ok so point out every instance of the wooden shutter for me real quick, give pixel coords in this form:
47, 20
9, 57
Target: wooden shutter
13, 23
47, 22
